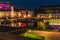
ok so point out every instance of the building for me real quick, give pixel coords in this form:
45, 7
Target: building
5, 10
10, 16
52, 13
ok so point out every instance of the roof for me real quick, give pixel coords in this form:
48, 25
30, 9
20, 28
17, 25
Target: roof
5, 2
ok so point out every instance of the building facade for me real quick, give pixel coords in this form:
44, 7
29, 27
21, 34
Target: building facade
12, 17
52, 13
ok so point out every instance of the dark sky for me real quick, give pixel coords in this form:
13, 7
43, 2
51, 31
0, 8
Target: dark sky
32, 3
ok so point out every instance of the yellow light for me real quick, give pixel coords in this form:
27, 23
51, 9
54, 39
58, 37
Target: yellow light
50, 16
29, 30
19, 24
24, 16
38, 16
41, 24
44, 20
12, 24
0, 14
29, 15
19, 14
12, 11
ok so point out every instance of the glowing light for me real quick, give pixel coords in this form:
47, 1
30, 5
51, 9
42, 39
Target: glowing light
12, 12
19, 24
28, 15
38, 16
12, 24
0, 14
24, 16
19, 14
29, 30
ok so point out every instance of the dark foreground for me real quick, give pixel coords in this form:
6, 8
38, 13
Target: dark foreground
5, 35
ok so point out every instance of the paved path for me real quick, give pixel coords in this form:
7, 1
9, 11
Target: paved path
48, 35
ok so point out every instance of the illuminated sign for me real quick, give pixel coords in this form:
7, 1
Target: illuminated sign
5, 6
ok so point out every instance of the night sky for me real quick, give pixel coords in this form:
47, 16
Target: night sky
32, 4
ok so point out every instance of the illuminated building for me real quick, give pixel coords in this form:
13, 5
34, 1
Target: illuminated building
12, 15
52, 13
5, 10
8, 13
